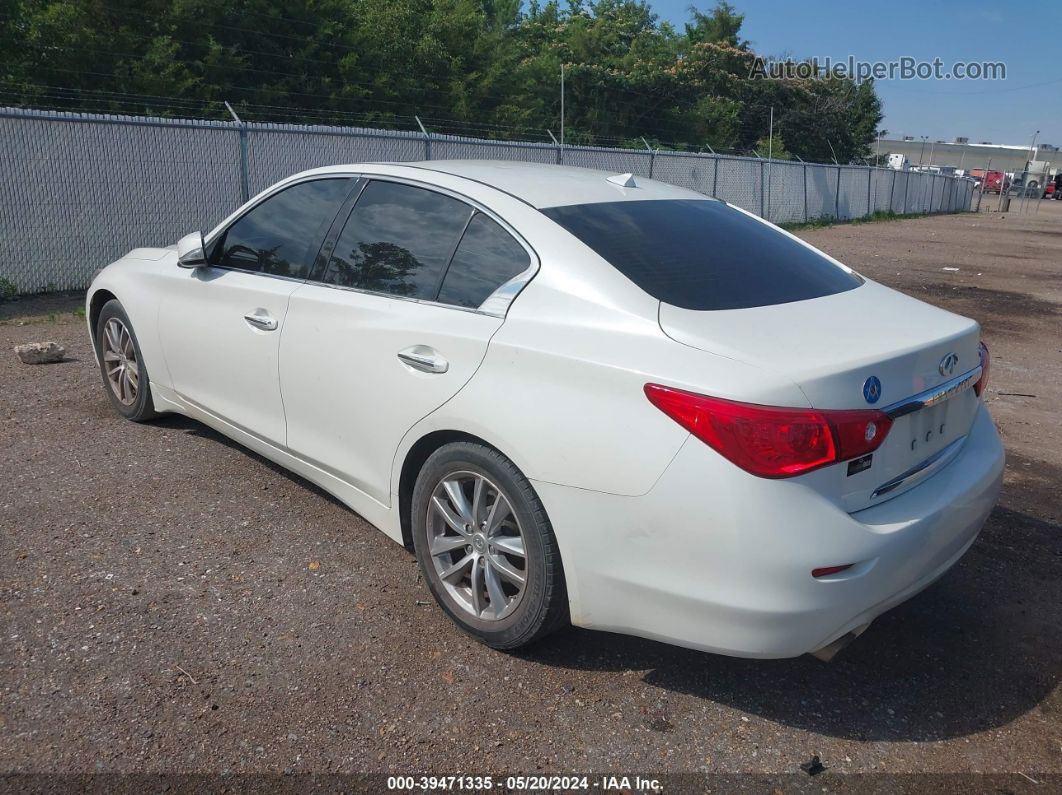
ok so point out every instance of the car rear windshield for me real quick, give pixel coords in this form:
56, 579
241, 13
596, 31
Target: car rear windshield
702, 254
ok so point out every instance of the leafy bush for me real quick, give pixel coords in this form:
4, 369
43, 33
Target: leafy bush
8, 291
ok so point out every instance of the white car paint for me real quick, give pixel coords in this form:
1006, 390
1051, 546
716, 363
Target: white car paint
660, 536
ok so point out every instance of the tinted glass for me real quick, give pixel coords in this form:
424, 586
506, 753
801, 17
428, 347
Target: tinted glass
281, 235
486, 258
702, 254
397, 240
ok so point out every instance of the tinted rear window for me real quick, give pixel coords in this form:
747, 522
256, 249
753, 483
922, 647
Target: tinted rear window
702, 254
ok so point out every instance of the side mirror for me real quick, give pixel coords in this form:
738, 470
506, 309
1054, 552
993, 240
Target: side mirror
191, 251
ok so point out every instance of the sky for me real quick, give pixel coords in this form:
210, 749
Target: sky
1026, 36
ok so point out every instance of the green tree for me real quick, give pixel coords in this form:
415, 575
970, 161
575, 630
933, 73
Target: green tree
720, 26
487, 68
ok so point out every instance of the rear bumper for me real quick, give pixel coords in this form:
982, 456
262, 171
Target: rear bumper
715, 559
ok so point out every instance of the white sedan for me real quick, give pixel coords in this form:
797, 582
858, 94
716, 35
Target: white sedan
579, 397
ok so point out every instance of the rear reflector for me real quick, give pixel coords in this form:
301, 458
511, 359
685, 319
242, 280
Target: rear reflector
982, 382
773, 442
826, 571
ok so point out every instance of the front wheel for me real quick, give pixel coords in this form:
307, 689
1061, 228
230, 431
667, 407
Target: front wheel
122, 365
486, 547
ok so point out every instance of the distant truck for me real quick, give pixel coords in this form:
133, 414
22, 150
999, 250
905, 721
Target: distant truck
991, 181
898, 162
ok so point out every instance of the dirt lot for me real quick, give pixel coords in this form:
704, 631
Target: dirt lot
171, 602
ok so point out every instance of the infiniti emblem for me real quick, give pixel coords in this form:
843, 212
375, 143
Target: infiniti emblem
872, 389
948, 364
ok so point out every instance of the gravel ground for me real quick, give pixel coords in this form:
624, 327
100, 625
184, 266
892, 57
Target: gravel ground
173, 603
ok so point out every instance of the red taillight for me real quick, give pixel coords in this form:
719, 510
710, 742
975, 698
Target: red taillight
826, 571
982, 382
768, 441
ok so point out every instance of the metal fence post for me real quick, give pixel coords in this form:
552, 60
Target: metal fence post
762, 191
245, 188
556, 143
715, 175
652, 156
805, 191
870, 208
427, 139
906, 186
241, 126
837, 197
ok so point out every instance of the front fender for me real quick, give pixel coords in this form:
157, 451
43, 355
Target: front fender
138, 281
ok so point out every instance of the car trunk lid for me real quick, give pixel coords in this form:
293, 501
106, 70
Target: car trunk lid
833, 348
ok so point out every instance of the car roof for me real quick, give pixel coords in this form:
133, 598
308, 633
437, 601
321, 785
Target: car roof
540, 184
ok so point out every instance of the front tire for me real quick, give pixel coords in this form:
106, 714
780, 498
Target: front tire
486, 547
125, 378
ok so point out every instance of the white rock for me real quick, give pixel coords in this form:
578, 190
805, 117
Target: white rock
40, 352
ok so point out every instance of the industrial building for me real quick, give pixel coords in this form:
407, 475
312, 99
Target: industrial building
961, 154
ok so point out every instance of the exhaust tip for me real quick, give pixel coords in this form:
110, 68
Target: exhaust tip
831, 650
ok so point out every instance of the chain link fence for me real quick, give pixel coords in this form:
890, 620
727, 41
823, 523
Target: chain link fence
79, 190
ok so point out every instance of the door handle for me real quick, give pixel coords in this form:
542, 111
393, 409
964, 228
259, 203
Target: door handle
264, 322
425, 359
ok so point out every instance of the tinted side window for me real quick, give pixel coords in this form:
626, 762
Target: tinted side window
397, 240
702, 254
281, 235
486, 258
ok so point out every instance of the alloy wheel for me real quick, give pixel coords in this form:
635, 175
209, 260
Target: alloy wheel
119, 361
476, 545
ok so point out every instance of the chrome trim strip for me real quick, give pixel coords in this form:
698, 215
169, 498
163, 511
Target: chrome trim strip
922, 470
937, 394
228, 269
392, 297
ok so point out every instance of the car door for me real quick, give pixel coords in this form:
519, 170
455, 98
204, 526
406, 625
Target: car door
221, 324
394, 325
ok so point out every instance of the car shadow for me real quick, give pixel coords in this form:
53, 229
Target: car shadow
976, 650
179, 422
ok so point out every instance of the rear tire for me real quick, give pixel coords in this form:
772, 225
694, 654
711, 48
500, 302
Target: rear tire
125, 377
486, 547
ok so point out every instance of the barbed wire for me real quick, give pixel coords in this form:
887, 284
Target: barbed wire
58, 98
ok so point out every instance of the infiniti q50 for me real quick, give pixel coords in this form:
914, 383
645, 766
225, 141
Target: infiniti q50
578, 397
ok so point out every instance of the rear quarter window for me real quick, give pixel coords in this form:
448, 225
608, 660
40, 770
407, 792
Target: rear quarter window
486, 258
702, 254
